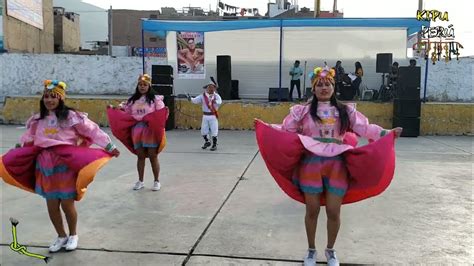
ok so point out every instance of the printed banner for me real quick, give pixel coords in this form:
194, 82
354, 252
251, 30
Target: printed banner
190, 55
149, 51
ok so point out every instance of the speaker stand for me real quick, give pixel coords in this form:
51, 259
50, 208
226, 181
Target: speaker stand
382, 87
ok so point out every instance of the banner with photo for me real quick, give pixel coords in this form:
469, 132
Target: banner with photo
190, 55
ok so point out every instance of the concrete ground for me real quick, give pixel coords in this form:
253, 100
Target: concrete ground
223, 208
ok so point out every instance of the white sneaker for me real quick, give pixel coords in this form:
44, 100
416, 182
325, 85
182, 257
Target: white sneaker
57, 244
72, 243
310, 258
139, 185
156, 186
331, 257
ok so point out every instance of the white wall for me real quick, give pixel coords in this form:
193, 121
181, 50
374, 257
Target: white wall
316, 45
255, 54
23, 74
450, 81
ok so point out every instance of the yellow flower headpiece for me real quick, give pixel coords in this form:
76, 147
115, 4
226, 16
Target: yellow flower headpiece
320, 73
145, 78
55, 87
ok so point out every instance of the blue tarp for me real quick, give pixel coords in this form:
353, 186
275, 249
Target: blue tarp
411, 24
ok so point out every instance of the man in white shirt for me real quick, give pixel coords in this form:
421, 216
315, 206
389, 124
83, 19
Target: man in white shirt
295, 72
210, 102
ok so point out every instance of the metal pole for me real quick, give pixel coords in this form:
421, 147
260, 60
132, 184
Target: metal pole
143, 49
420, 8
426, 79
110, 31
304, 77
317, 8
281, 54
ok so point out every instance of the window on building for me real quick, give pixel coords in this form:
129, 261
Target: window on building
153, 39
153, 16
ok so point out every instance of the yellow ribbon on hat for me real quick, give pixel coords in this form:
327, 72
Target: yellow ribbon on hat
321, 73
145, 78
55, 87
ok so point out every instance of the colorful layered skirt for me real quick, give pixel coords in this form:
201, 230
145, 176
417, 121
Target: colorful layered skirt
147, 133
300, 164
143, 136
59, 172
317, 174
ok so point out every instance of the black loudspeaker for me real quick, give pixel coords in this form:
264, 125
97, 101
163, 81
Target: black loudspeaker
308, 93
224, 76
273, 94
410, 125
384, 63
162, 70
407, 104
346, 93
406, 108
169, 101
161, 79
162, 89
234, 93
409, 79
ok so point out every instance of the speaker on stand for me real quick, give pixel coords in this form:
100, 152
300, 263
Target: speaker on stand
162, 84
162, 89
407, 103
224, 76
308, 93
162, 79
273, 94
169, 101
384, 66
235, 90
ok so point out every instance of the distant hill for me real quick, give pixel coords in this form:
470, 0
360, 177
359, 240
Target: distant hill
94, 20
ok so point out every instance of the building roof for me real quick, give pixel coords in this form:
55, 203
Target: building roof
293, 13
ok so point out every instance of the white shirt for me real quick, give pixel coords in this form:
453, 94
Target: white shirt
297, 73
200, 100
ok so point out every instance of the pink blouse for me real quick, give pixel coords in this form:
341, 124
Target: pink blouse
140, 107
314, 133
77, 129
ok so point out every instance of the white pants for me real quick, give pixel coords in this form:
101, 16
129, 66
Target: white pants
209, 123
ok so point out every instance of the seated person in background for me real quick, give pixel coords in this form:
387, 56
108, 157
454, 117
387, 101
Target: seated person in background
359, 72
393, 76
339, 75
412, 63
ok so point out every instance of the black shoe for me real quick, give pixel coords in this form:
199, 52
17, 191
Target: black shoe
206, 145
214, 147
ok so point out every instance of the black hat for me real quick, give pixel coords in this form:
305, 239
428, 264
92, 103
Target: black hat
212, 82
